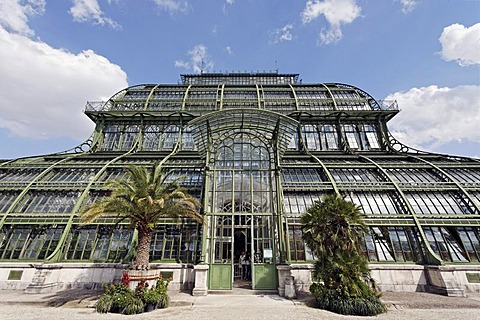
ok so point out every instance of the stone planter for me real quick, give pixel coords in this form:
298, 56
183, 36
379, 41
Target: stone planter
150, 307
148, 276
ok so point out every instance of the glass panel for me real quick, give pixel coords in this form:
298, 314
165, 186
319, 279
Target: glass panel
187, 139
6, 200
465, 175
297, 203
413, 175
302, 177
98, 242
151, 137
377, 202
223, 240
169, 137
111, 138
71, 175
443, 243
49, 201
128, 137
356, 175
349, 100
262, 240
27, 242
351, 135
371, 136
18, 175
311, 137
242, 179
439, 203
329, 137
471, 241
297, 246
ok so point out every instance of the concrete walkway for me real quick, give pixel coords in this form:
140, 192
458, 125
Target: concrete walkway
78, 304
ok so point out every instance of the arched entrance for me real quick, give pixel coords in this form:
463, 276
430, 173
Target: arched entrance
242, 148
242, 196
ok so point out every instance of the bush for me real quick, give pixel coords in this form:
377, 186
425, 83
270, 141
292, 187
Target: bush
339, 301
121, 299
133, 306
151, 296
104, 304
162, 287
164, 301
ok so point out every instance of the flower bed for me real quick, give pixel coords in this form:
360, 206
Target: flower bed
121, 299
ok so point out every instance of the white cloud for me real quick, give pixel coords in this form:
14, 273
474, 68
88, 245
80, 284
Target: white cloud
461, 44
44, 89
226, 4
336, 12
173, 6
14, 14
199, 60
408, 5
89, 11
432, 116
228, 50
283, 34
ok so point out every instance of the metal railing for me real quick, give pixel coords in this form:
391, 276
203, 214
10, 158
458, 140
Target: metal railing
388, 104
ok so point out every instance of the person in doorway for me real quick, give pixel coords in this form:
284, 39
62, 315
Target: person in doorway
248, 263
243, 265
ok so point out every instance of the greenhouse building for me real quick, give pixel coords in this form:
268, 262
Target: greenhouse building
256, 149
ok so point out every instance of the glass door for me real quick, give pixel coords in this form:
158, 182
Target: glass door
222, 263
263, 262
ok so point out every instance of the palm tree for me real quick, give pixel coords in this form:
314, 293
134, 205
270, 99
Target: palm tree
142, 199
333, 225
332, 229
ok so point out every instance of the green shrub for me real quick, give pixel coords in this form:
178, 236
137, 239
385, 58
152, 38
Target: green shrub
133, 306
120, 300
164, 301
104, 304
162, 287
339, 301
151, 296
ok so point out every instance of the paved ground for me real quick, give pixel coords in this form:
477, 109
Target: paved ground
78, 304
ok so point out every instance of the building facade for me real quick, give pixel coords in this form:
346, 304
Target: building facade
257, 149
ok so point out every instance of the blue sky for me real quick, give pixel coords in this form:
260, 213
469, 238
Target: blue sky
57, 55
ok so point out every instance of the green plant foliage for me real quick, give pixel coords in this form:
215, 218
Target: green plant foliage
338, 301
121, 299
161, 287
164, 301
142, 199
332, 229
133, 306
151, 296
104, 303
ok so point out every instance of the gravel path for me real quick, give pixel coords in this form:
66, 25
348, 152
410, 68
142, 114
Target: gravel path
71, 305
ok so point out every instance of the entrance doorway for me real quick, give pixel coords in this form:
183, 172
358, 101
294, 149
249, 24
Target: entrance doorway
242, 269
248, 234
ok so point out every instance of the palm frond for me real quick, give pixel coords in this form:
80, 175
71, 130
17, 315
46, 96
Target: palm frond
143, 198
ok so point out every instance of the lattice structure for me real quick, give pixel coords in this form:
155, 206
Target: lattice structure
257, 149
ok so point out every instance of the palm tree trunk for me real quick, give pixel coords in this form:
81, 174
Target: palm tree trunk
143, 250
